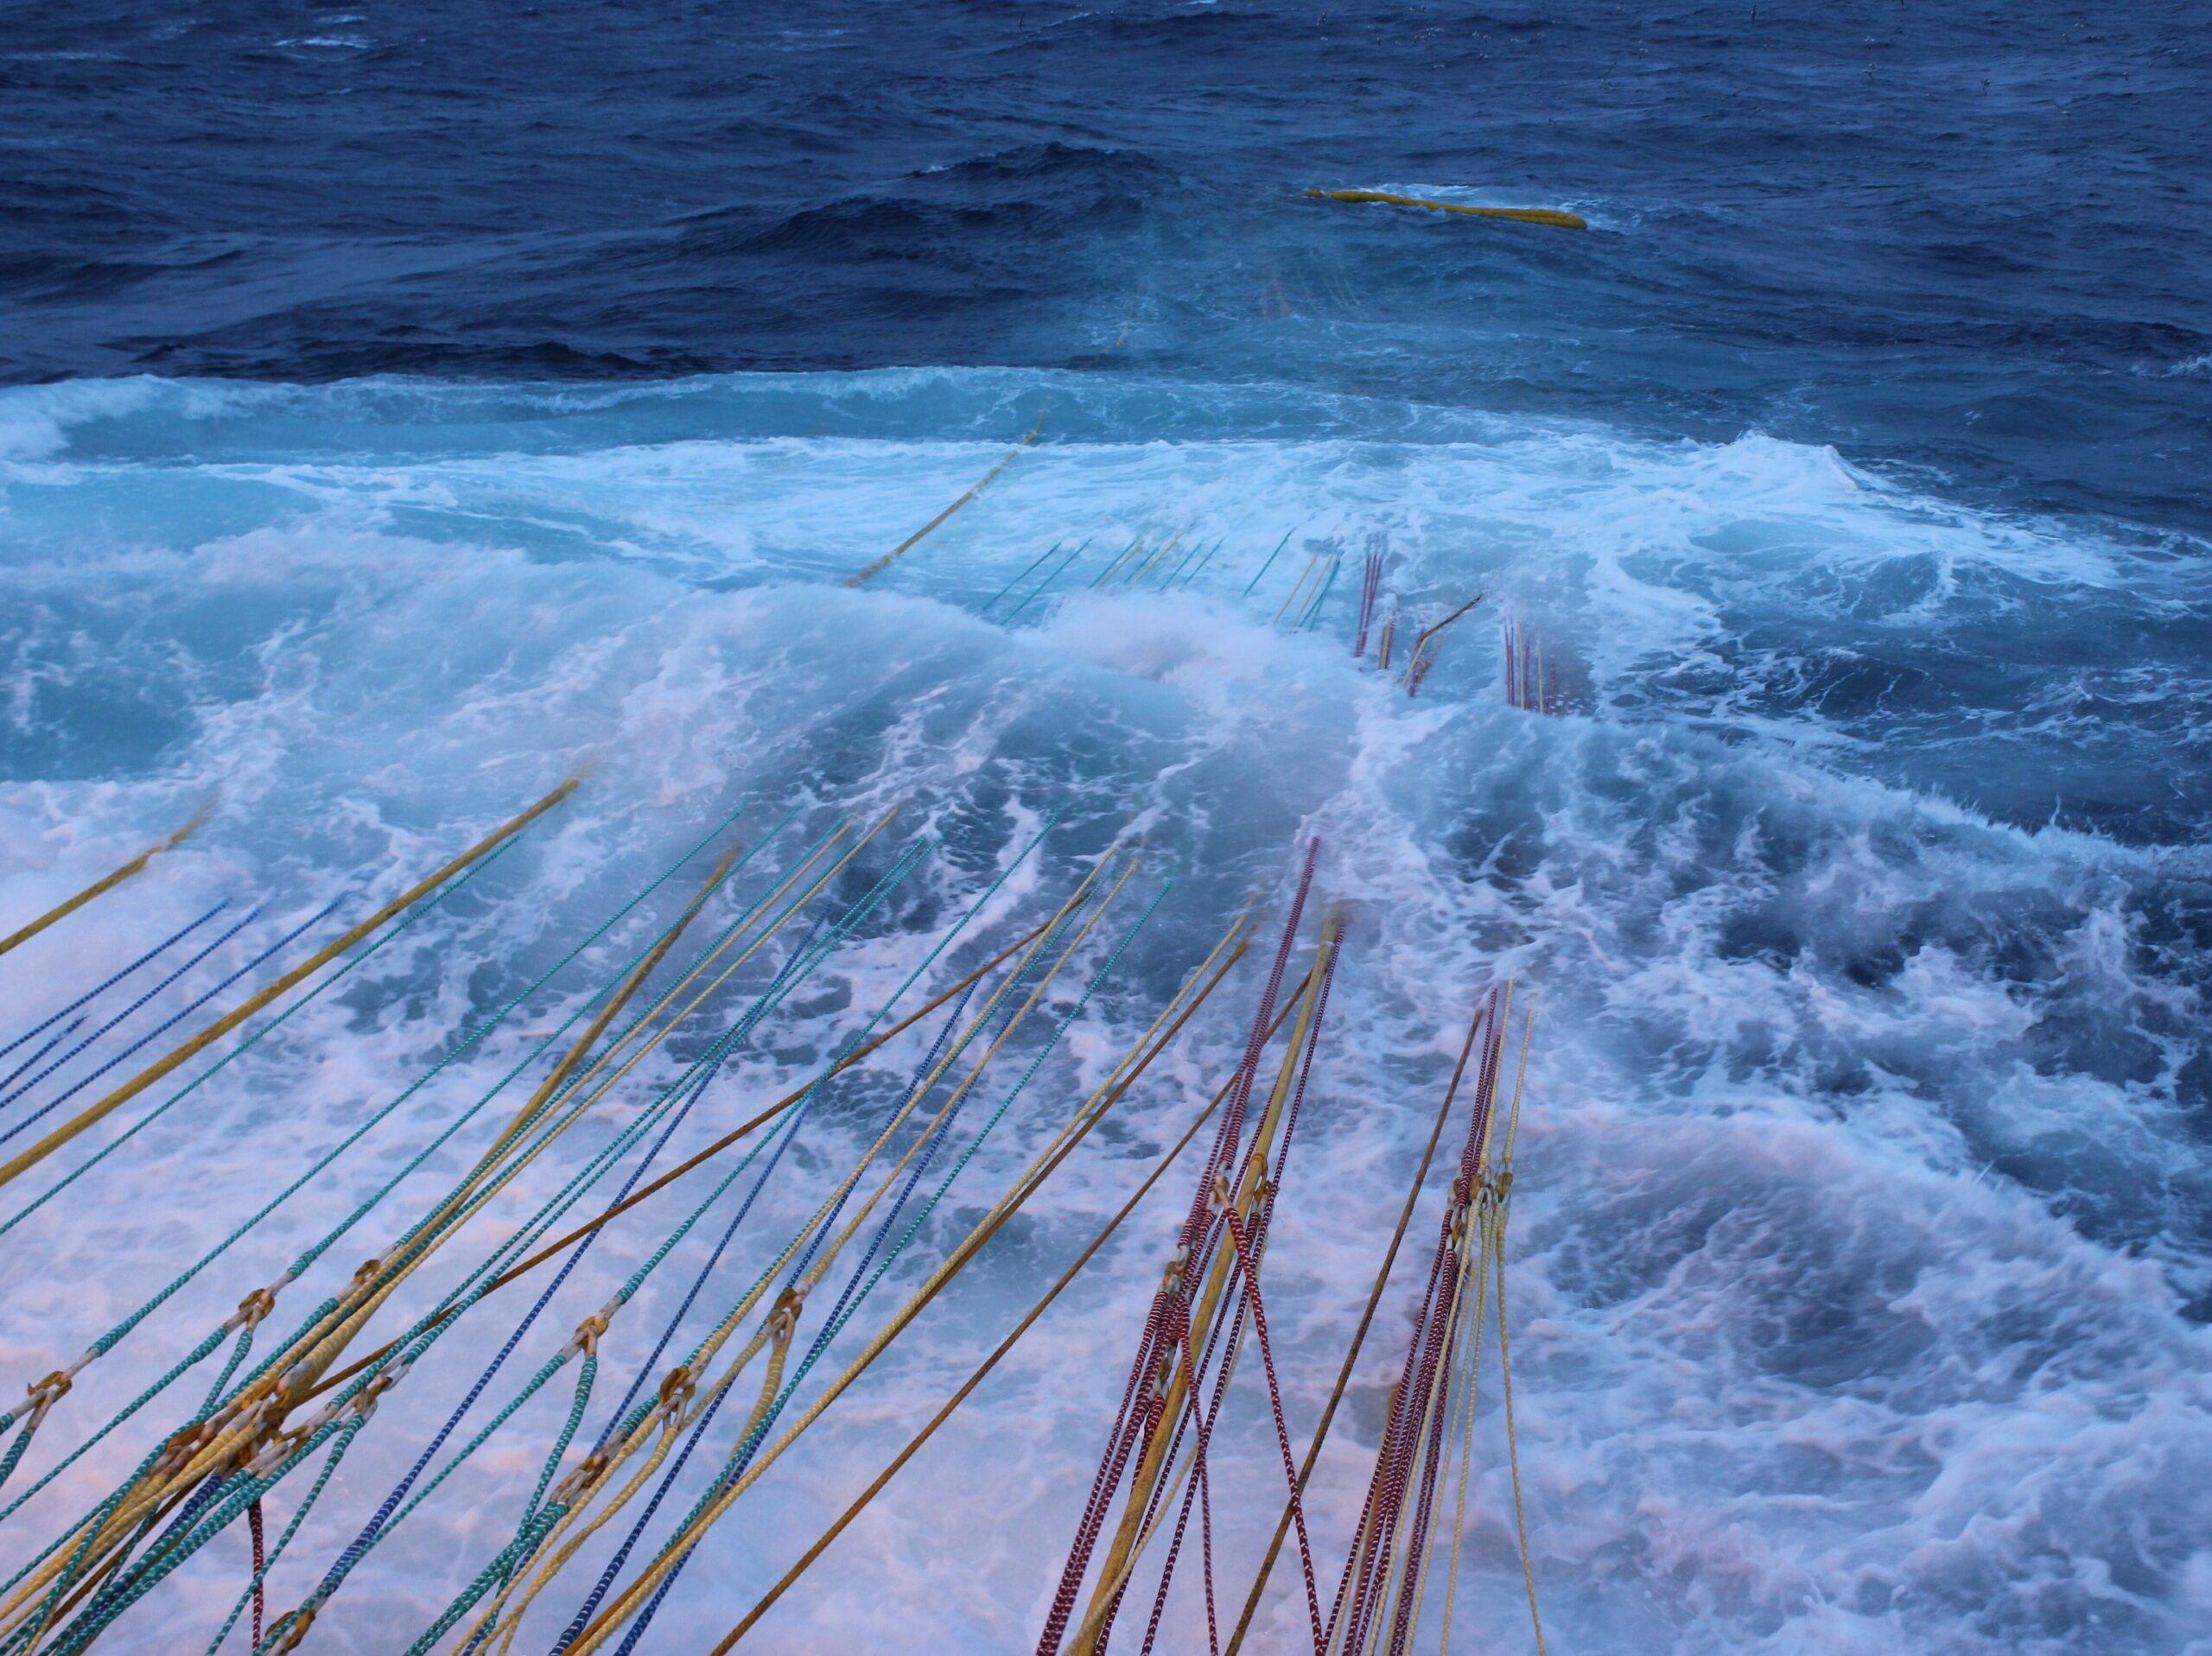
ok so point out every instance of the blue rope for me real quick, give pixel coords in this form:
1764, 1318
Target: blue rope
102, 988
68, 1029
698, 1434
1207, 559
86, 1080
11, 1097
742, 1456
801, 964
115, 1335
698, 1282
518, 1553
830, 1221
372, 1531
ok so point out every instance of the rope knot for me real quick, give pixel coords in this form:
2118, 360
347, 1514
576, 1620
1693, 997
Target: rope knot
1217, 1198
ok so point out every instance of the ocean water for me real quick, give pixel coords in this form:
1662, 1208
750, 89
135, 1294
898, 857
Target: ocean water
407, 407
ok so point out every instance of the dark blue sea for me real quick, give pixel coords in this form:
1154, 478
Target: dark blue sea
403, 404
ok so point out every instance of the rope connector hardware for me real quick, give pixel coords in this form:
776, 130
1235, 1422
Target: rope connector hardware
1172, 1276
278, 1449
1162, 1375
1492, 1193
52, 1387
364, 1401
45, 1393
183, 1444
253, 1307
587, 1336
676, 1389
785, 1318
302, 1619
579, 1479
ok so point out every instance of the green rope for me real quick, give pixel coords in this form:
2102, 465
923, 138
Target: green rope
432, 1326
330, 1238
314, 1495
108, 1340
530, 1533
1313, 614
1269, 564
822, 1342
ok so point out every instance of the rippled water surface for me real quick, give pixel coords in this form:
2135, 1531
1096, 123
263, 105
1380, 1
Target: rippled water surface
409, 405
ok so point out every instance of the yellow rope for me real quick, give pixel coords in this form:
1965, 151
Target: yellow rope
671, 1426
711, 1347
607, 1014
607, 1214
1404, 1573
105, 884
612, 1617
1522, 215
968, 1387
1320, 591
1128, 1543
1422, 641
215, 1031
1456, 1397
1134, 547
446, 1223
256, 1413
1504, 1340
1359, 1333
1313, 563
1466, 1444
901, 549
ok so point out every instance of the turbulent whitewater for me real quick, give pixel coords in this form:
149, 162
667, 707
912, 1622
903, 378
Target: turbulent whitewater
1863, 1270
404, 407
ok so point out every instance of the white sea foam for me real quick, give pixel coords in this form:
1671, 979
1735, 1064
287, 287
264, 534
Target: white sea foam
1855, 1245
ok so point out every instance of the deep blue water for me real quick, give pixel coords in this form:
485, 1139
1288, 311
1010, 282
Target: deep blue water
1976, 238
405, 403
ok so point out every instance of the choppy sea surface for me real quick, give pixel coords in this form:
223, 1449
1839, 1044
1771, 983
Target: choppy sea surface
407, 405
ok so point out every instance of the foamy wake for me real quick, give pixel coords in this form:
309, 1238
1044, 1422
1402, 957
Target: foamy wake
1860, 1268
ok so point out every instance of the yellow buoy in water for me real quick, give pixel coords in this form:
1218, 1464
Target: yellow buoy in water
1525, 215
